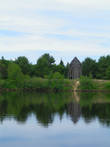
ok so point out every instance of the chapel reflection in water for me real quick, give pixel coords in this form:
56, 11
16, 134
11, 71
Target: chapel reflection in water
74, 110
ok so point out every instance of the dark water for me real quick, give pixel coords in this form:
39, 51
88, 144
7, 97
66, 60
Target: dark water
54, 120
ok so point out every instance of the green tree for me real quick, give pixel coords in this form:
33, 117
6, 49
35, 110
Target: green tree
15, 74
57, 75
108, 73
89, 67
44, 65
32, 70
66, 70
56, 81
61, 68
3, 71
3, 68
103, 64
23, 62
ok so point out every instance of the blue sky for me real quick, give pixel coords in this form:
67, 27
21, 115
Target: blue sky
63, 28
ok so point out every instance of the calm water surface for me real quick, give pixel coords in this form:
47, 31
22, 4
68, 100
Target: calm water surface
54, 120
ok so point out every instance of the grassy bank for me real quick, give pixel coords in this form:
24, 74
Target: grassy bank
37, 84
89, 84
54, 84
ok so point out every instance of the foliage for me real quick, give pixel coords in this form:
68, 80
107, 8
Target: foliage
89, 67
107, 86
99, 70
15, 74
108, 73
66, 70
86, 83
50, 84
61, 68
23, 62
103, 65
56, 81
4, 68
36, 83
57, 75
44, 65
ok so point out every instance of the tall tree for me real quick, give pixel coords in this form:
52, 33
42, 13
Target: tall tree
89, 67
4, 68
23, 62
61, 68
44, 65
108, 73
103, 65
66, 70
15, 73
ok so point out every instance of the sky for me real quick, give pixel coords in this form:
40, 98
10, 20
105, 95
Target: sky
62, 28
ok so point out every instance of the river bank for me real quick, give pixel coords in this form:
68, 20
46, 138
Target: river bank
56, 85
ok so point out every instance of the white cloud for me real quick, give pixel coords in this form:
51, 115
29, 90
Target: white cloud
52, 4
26, 16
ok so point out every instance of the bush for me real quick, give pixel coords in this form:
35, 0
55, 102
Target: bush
35, 83
8, 84
56, 81
107, 86
86, 83
16, 79
50, 84
57, 75
11, 84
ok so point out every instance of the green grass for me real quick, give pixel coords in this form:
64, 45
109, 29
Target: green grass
87, 83
38, 84
55, 84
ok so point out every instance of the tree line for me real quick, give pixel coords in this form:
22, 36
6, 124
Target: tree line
46, 67
97, 69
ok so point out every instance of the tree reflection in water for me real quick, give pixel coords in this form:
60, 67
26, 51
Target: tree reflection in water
89, 106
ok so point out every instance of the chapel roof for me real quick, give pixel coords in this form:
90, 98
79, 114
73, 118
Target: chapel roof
75, 60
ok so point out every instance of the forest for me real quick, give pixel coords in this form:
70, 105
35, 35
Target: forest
45, 66
21, 73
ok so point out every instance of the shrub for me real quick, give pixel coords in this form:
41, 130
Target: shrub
86, 83
36, 83
56, 81
57, 75
107, 86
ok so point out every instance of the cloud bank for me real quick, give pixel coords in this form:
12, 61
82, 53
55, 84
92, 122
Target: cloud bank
67, 27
